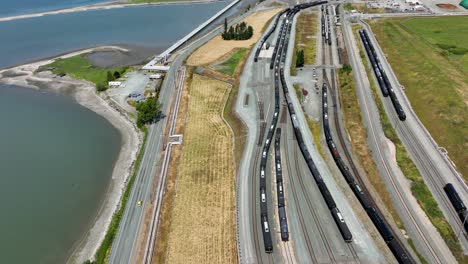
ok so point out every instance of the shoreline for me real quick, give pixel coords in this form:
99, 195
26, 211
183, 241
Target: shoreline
101, 6
85, 94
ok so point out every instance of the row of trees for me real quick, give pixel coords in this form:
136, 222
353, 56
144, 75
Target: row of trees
240, 31
112, 76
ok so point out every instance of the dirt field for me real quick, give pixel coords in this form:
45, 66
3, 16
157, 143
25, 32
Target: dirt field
217, 47
203, 215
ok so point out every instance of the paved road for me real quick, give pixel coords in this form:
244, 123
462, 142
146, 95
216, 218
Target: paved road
427, 239
431, 161
124, 246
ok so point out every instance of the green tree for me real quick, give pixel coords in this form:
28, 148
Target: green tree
240, 31
116, 75
225, 24
148, 111
300, 58
101, 87
110, 76
249, 32
347, 68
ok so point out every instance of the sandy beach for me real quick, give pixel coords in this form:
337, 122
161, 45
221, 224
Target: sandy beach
85, 95
101, 6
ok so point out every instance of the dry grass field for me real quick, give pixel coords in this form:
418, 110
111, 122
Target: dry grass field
306, 34
217, 47
203, 215
306, 39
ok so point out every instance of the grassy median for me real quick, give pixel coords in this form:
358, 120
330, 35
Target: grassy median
418, 187
306, 39
433, 68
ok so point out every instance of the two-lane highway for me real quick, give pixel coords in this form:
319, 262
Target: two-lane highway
125, 243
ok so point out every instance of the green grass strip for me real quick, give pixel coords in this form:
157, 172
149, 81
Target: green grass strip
229, 66
80, 68
106, 245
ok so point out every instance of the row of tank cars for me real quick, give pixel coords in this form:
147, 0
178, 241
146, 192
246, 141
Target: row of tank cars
267, 240
387, 90
337, 216
277, 62
326, 26
381, 75
385, 231
458, 204
283, 221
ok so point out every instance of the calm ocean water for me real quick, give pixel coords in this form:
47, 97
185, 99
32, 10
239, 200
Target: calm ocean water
19, 7
56, 157
151, 26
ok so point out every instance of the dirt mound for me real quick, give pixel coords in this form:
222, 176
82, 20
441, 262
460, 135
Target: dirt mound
447, 6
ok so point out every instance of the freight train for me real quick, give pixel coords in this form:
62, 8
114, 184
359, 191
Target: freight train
381, 75
283, 221
277, 54
325, 22
267, 240
458, 204
278, 63
268, 34
399, 252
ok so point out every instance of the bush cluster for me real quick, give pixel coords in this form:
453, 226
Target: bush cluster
148, 111
300, 58
240, 31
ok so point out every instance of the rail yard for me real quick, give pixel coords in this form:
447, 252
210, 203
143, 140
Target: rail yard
284, 201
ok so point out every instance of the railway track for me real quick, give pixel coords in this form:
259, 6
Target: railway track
431, 171
338, 127
353, 253
253, 195
287, 249
313, 212
296, 202
399, 196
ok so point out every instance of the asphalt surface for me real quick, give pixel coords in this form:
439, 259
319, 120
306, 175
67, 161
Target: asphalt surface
124, 246
313, 238
135, 82
431, 160
426, 238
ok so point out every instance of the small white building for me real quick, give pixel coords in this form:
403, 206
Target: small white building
114, 84
155, 76
419, 8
